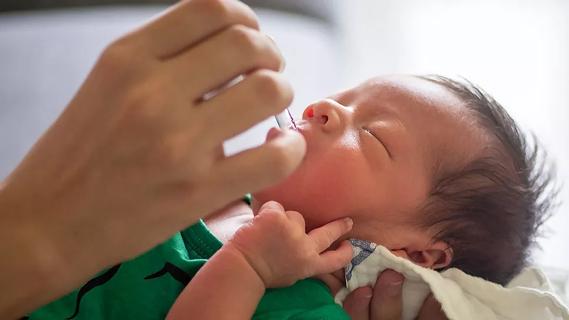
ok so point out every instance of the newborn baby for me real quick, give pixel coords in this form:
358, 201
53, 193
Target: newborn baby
430, 168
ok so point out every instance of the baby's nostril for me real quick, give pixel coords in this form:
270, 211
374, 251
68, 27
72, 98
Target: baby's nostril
310, 112
324, 119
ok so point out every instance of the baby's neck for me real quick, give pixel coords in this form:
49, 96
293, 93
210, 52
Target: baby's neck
224, 222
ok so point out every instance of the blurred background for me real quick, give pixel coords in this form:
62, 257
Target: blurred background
517, 50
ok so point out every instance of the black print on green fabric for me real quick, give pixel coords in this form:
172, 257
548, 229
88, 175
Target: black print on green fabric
174, 271
169, 268
91, 284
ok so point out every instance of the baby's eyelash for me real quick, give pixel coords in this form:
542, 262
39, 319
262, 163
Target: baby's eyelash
369, 131
380, 141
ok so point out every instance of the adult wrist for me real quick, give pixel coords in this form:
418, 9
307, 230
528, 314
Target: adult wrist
34, 268
24, 274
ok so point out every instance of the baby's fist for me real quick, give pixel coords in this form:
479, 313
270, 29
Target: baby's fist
278, 248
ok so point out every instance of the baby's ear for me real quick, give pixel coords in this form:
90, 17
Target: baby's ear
436, 255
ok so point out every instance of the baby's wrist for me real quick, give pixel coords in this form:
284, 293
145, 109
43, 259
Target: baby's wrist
246, 263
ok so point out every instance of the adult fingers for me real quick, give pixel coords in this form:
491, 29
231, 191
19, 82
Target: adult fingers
357, 303
188, 22
234, 51
263, 92
257, 168
386, 303
334, 259
325, 235
431, 310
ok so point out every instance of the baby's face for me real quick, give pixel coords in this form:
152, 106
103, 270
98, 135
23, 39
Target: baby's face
372, 152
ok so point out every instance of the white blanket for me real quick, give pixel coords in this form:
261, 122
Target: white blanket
528, 296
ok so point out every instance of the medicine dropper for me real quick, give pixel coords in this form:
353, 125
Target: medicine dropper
285, 120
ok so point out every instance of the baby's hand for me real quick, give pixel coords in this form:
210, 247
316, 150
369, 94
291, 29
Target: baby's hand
278, 248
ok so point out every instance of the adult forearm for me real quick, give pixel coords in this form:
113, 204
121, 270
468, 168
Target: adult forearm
35, 268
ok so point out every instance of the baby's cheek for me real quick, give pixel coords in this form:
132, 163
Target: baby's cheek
330, 197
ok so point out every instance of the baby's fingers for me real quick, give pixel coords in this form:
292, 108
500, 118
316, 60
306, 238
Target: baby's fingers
271, 206
324, 236
334, 259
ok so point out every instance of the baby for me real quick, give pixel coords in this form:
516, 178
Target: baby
431, 168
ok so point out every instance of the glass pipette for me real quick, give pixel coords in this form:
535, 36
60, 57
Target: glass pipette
285, 120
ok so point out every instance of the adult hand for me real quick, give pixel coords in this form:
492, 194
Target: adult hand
384, 301
137, 154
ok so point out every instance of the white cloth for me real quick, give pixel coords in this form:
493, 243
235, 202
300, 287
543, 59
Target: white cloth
528, 296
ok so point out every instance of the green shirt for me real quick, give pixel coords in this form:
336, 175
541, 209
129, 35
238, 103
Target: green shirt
147, 286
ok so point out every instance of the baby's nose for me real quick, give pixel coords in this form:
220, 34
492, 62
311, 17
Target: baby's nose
309, 115
325, 113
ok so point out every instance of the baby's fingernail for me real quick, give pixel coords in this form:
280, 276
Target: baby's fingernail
271, 205
349, 222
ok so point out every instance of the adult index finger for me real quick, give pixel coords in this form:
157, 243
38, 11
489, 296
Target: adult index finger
189, 22
257, 168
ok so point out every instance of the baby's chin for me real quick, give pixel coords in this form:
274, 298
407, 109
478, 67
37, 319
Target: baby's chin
290, 202
268, 194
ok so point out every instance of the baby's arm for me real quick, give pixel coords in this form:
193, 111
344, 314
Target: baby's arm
272, 251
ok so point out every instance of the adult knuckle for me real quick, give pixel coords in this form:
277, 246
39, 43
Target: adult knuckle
254, 48
116, 55
244, 40
218, 10
226, 12
272, 88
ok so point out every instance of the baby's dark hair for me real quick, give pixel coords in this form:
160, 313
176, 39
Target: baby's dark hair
490, 211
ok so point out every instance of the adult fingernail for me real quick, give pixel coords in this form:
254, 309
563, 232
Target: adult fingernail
349, 222
394, 289
364, 293
393, 282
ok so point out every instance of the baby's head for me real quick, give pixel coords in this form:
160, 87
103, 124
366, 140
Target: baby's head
433, 169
